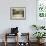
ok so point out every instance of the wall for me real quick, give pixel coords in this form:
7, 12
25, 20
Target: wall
24, 25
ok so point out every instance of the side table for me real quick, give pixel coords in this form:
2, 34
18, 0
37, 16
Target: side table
9, 35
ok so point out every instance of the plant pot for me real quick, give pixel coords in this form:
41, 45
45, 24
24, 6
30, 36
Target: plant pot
40, 41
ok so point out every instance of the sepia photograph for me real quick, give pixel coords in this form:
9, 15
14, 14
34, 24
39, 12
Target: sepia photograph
18, 13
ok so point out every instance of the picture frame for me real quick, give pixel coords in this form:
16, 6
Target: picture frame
17, 13
41, 12
41, 9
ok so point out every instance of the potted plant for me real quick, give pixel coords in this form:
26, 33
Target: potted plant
39, 35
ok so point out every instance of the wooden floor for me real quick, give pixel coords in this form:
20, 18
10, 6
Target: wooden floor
13, 44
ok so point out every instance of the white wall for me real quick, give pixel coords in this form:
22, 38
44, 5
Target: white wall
24, 25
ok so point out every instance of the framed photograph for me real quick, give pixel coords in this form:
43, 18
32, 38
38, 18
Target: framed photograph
41, 12
41, 9
17, 13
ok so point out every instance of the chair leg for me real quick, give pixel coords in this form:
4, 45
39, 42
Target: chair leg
17, 41
5, 43
5, 40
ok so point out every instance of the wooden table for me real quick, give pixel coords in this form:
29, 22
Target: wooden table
8, 34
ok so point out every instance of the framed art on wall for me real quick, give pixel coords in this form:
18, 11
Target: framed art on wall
17, 13
41, 8
41, 12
